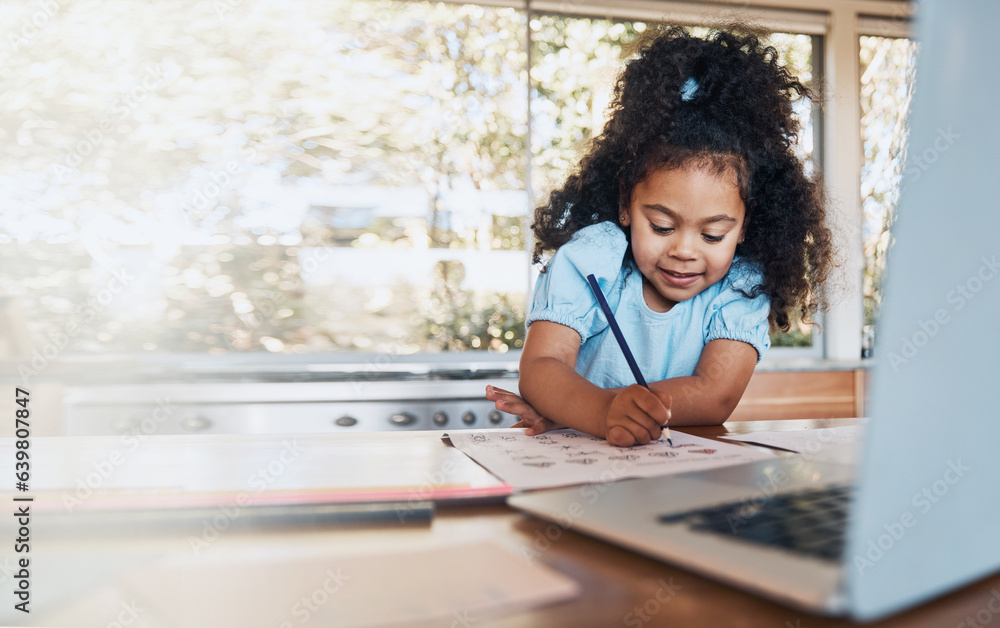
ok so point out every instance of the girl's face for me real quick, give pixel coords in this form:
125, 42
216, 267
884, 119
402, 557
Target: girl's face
685, 223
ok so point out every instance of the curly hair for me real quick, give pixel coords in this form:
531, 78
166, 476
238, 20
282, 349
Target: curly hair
739, 118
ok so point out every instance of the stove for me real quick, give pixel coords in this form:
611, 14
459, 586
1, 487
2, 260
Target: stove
291, 398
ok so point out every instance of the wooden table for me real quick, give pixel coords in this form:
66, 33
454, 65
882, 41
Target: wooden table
618, 587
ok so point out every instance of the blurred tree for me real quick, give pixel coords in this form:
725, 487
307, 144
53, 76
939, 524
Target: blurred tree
888, 67
217, 152
461, 322
183, 129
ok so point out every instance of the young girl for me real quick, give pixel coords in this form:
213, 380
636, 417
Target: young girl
695, 215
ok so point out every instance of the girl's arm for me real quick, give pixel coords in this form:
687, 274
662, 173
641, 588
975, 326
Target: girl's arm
710, 395
549, 384
631, 415
529, 418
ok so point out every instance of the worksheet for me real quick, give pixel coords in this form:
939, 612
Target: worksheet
803, 441
565, 457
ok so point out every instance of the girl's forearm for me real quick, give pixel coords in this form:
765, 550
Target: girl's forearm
564, 396
711, 394
561, 394
695, 401
555, 390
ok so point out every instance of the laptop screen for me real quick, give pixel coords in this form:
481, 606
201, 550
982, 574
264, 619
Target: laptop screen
927, 503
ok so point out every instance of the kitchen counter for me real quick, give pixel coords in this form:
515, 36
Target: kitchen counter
279, 393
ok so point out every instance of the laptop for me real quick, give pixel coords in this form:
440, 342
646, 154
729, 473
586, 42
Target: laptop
914, 511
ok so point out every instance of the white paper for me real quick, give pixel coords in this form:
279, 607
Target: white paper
564, 457
803, 441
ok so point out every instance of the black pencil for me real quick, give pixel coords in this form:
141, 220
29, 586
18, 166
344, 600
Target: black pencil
603, 302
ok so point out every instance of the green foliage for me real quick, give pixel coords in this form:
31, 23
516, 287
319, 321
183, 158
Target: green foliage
791, 338
461, 320
205, 147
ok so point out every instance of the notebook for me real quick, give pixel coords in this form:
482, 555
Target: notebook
912, 512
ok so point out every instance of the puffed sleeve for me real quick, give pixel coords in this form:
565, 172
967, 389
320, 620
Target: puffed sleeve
563, 295
733, 316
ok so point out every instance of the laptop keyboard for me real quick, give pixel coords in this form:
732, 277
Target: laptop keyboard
810, 521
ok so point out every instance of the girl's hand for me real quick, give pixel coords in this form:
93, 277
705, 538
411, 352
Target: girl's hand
635, 417
510, 403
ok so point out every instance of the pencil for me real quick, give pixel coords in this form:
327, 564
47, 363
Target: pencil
621, 339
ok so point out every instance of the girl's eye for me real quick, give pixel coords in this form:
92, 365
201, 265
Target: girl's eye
661, 229
709, 238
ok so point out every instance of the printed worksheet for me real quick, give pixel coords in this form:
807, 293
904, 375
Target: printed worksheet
803, 441
564, 457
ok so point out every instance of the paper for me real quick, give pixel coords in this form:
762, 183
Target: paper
803, 441
462, 584
169, 471
564, 457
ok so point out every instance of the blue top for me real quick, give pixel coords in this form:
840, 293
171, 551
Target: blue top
665, 344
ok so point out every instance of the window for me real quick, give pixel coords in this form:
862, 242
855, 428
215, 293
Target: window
287, 177
575, 61
293, 178
887, 73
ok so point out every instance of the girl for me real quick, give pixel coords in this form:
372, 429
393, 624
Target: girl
695, 215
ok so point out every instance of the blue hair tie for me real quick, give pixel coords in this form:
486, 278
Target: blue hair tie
689, 89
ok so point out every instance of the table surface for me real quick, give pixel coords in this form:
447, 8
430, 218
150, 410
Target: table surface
617, 586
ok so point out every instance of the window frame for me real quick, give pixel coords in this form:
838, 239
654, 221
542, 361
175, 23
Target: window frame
838, 26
